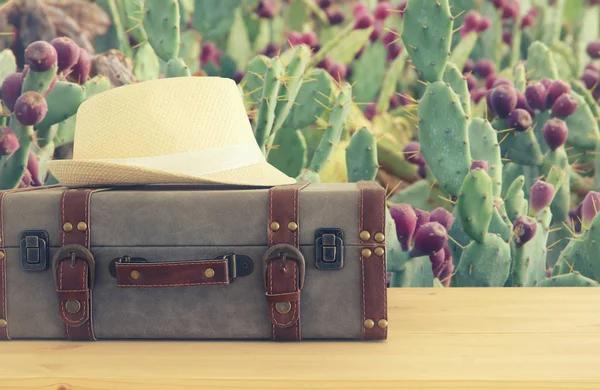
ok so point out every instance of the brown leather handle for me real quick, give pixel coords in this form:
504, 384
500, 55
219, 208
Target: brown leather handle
220, 271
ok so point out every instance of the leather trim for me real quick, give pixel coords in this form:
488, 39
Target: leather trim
282, 274
74, 274
3, 312
373, 268
173, 274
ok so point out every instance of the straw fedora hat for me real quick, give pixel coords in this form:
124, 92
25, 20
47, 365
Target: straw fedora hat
170, 131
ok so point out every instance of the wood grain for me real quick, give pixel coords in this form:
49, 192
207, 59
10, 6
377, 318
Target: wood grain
438, 339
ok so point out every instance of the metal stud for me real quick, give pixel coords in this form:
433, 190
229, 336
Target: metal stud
382, 323
366, 252
365, 235
283, 307
369, 324
293, 226
274, 226
209, 273
82, 226
379, 251
3, 324
2, 256
379, 237
67, 227
135, 275
73, 306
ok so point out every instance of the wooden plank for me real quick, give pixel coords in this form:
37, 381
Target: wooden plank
439, 339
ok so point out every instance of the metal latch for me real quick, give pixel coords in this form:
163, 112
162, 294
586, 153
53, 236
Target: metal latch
35, 250
329, 248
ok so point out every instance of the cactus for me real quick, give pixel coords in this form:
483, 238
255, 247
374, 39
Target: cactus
484, 264
427, 36
161, 23
443, 134
458, 83
177, 68
361, 156
268, 101
475, 204
146, 62
574, 279
483, 144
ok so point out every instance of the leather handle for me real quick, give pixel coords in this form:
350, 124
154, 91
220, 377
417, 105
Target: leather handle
221, 271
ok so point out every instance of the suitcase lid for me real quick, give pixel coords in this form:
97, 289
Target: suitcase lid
184, 216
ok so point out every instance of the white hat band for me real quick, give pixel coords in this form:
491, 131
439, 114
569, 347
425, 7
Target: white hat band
199, 162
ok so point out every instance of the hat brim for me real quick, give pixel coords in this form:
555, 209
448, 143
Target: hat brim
82, 173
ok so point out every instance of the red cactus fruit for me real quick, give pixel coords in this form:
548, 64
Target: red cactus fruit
11, 89
406, 222
555, 133
540, 195
9, 143
31, 108
41, 56
524, 230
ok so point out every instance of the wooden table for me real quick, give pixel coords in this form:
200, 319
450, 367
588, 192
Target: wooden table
439, 339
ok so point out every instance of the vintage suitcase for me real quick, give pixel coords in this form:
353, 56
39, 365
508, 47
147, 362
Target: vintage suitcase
162, 262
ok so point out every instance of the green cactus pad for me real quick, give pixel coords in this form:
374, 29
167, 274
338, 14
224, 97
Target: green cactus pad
390, 81
8, 64
561, 203
574, 279
63, 102
238, 43
541, 117
581, 90
499, 226
540, 62
459, 239
161, 23
520, 147
133, 11
455, 79
191, 49
308, 175
39, 81
417, 272
294, 78
417, 195
312, 100
591, 245
483, 143
361, 156
368, 73
583, 126
333, 133
147, 66
427, 36
177, 68
529, 261
483, 264
395, 257
344, 46
520, 74
213, 19
514, 201
443, 136
254, 79
96, 85
462, 51
289, 156
11, 172
475, 204
574, 258
263, 124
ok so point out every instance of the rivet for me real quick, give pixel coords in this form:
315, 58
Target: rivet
379, 251
2, 256
82, 226
67, 227
135, 275
293, 226
369, 324
382, 323
379, 237
366, 253
283, 307
209, 273
3, 324
274, 226
73, 306
365, 235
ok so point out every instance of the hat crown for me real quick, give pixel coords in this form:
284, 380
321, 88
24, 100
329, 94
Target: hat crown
162, 117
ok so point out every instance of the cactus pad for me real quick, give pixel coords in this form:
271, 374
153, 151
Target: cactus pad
484, 264
475, 204
361, 156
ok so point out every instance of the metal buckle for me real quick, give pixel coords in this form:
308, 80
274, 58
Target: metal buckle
287, 252
239, 265
73, 253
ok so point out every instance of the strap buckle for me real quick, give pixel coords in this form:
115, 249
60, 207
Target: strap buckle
72, 253
287, 252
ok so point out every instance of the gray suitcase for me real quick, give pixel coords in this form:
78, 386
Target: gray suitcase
165, 262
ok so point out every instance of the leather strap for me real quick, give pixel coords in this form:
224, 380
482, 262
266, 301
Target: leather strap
3, 314
372, 258
173, 274
74, 271
283, 274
